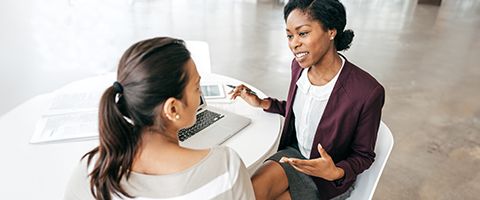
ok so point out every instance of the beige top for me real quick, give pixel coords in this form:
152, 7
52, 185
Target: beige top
220, 175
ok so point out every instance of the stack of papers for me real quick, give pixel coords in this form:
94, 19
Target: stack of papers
73, 112
71, 116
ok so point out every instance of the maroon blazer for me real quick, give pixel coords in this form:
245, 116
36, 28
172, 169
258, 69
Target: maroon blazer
348, 128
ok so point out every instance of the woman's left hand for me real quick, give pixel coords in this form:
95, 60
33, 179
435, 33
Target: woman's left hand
322, 167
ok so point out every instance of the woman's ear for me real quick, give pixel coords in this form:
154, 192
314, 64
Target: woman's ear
332, 33
170, 109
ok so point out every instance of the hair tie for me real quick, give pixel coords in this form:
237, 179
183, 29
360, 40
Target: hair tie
117, 87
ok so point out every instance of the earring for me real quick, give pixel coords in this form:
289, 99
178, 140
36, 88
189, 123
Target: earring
331, 38
177, 116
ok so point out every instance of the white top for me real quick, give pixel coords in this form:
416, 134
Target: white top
220, 175
310, 98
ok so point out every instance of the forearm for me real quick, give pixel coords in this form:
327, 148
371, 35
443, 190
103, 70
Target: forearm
274, 106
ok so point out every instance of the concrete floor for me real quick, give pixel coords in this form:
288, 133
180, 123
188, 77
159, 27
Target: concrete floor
426, 57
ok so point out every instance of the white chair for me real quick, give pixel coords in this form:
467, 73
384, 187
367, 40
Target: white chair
368, 180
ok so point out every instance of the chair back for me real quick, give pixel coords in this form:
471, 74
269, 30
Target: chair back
367, 181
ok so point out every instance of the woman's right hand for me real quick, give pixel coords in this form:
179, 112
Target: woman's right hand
249, 96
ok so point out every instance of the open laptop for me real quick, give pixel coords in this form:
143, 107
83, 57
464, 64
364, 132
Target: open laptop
213, 127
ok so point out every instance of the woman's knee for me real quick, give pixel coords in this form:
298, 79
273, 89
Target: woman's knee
269, 181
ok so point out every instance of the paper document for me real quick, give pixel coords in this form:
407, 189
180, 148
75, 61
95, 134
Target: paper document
71, 126
73, 111
71, 116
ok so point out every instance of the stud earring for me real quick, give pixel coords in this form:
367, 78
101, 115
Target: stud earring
331, 38
177, 116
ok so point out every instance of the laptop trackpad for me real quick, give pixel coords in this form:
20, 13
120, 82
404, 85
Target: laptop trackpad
209, 137
218, 132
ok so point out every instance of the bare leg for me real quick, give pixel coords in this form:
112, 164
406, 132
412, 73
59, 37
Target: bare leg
270, 181
285, 196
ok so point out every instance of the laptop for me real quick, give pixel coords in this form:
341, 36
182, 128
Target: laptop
213, 127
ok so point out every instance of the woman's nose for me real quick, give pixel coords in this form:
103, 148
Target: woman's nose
294, 43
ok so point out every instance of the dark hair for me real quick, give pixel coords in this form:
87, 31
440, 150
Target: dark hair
149, 72
330, 13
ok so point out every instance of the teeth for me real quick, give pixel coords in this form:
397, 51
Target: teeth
299, 55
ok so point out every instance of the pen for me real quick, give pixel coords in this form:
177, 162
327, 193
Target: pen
248, 90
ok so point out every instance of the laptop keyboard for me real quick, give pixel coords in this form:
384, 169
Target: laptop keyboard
204, 119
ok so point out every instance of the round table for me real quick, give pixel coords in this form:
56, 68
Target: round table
41, 171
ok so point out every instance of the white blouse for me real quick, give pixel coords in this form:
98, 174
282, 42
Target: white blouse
310, 98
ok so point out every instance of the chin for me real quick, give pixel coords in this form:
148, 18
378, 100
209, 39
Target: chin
305, 65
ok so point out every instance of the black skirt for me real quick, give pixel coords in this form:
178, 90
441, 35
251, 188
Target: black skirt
301, 186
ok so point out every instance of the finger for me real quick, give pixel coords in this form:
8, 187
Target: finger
243, 87
283, 159
234, 93
287, 160
300, 169
239, 87
245, 93
300, 162
239, 94
236, 90
322, 151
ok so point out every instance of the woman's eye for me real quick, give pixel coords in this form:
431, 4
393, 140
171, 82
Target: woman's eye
289, 36
303, 33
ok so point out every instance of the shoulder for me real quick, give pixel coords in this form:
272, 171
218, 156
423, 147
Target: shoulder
78, 186
228, 155
80, 173
358, 83
360, 78
237, 177
229, 161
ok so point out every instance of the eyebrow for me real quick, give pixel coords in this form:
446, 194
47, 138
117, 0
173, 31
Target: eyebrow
298, 27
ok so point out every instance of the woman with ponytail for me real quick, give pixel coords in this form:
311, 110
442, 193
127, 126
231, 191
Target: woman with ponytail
156, 94
332, 112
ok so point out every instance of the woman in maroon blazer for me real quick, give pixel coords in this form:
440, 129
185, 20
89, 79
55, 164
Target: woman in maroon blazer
332, 112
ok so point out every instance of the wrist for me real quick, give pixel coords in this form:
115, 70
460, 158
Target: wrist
339, 173
265, 104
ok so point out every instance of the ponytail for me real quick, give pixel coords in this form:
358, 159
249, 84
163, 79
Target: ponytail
149, 72
118, 143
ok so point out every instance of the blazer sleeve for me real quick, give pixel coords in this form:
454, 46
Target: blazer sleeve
277, 106
363, 144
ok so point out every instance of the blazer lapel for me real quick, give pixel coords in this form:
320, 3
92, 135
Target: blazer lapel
288, 133
296, 72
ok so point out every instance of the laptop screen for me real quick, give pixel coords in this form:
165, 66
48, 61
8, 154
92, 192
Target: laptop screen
203, 103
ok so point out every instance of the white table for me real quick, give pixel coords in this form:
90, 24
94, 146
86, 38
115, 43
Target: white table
41, 171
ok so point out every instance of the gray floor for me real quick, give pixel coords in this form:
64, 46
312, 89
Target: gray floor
426, 57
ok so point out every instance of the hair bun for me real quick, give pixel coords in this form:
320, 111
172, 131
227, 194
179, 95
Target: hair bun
343, 40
